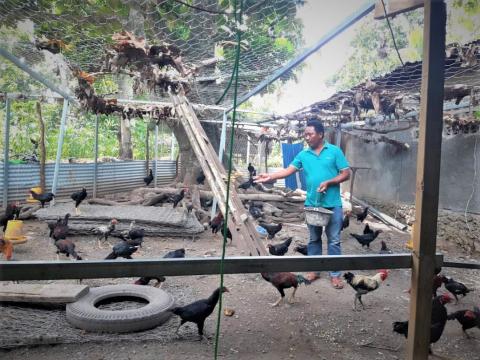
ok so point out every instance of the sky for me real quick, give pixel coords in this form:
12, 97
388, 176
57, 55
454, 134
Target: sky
319, 17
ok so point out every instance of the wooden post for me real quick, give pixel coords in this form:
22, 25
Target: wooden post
41, 143
6, 148
428, 175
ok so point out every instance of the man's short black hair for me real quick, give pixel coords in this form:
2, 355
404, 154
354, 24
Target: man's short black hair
317, 124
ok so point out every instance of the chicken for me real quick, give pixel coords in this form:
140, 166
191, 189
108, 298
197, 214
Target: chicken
366, 239
43, 198
279, 249
198, 311
104, 231
177, 198
245, 185
60, 230
438, 320
255, 211
148, 179
384, 249
363, 215
455, 287
52, 225
6, 248
78, 197
467, 318
229, 233
216, 223
272, 229
67, 247
363, 284
134, 235
145, 280
251, 170
367, 230
302, 249
122, 249
346, 221
8, 215
200, 178
285, 280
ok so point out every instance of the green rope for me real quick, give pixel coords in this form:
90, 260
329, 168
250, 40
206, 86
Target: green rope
225, 227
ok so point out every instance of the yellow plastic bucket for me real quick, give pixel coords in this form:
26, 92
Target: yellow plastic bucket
14, 232
38, 190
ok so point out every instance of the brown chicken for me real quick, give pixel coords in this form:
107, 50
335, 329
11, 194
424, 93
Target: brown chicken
6, 248
285, 280
60, 230
66, 247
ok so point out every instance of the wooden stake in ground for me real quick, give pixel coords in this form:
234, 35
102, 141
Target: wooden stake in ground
41, 143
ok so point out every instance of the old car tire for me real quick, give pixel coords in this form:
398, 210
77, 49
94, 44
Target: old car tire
84, 315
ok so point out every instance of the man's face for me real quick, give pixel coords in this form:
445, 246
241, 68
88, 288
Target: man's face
313, 139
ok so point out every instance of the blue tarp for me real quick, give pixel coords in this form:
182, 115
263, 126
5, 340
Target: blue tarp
289, 152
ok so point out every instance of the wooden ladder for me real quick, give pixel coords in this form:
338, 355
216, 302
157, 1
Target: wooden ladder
241, 226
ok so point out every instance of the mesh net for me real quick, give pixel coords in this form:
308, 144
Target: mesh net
201, 30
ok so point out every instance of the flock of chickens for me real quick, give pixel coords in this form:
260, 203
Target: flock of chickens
131, 240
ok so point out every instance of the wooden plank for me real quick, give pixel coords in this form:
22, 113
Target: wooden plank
241, 226
96, 269
427, 183
42, 293
395, 7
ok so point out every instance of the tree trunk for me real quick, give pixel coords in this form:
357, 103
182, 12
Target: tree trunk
126, 152
189, 165
41, 143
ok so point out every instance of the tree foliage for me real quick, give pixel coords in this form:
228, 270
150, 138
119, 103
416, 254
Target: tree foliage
373, 41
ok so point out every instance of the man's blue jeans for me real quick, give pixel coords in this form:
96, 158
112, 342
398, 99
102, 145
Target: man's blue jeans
332, 230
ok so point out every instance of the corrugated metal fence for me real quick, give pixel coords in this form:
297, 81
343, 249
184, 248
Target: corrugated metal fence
112, 177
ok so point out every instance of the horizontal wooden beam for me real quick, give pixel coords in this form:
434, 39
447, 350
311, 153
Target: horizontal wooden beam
461, 264
94, 269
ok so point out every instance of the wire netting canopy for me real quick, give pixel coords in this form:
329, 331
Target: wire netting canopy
201, 30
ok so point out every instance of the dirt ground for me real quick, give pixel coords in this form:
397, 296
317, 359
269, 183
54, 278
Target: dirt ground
320, 325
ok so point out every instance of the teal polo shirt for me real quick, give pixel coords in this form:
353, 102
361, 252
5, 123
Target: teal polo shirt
320, 168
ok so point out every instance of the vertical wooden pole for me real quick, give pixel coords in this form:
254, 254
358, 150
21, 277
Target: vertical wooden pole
6, 148
428, 175
95, 163
41, 142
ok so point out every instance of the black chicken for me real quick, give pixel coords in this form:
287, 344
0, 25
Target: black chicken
384, 249
363, 215
346, 221
367, 230
200, 178
229, 233
302, 249
255, 212
285, 280
122, 249
148, 179
198, 311
177, 198
467, 318
455, 287
135, 235
279, 249
60, 230
272, 229
245, 185
438, 320
145, 280
366, 239
52, 225
251, 170
43, 198
66, 247
8, 215
78, 197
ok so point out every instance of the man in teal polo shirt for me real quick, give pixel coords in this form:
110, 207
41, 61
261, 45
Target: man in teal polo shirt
325, 167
